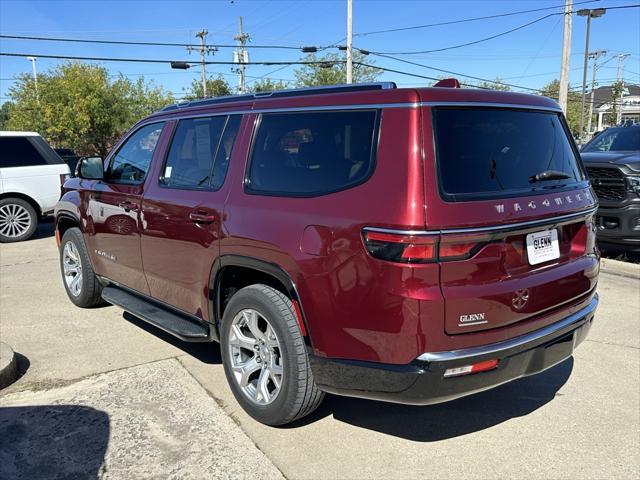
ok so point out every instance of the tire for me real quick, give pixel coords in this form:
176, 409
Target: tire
18, 220
85, 292
297, 395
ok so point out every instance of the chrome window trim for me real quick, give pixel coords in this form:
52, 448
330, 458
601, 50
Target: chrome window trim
499, 347
492, 105
494, 228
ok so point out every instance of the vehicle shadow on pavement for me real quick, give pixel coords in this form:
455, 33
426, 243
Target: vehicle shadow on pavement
46, 228
452, 419
206, 352
52, 442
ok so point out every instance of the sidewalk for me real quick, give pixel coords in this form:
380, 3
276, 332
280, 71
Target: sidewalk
149, 421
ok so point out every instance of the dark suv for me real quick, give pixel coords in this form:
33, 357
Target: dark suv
407, 245
612, 160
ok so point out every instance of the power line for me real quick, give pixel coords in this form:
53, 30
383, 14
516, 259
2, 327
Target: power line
464, 20
152, 44
485, 39
455, 73
148, 60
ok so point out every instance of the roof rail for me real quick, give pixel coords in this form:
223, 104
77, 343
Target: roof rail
294, 92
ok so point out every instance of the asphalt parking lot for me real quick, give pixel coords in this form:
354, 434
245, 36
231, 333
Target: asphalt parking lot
104, 395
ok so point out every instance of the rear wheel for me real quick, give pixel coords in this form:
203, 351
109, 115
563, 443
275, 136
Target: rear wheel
80, 281
265, 358
18, 220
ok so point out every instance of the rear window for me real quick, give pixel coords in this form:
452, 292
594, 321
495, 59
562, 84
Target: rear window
309, 154
19, 152
493, 152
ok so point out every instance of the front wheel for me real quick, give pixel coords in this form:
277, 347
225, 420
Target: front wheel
265, 358
80, 281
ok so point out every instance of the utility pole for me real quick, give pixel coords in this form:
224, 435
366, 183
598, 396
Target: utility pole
589, 13
35, 77
241, 56
595, 55
620, 81
349, 41
204, 50
566, 55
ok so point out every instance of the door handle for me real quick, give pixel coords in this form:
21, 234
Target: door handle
128, 206
201, 216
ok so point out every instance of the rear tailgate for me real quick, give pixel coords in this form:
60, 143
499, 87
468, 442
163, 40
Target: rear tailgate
511, 247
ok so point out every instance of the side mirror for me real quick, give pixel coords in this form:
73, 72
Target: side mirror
90, 168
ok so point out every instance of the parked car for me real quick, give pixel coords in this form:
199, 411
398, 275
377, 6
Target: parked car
70, 157
31, 174
612, 160
407, 245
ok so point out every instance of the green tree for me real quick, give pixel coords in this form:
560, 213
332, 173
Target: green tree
216, 87
552, 90
611, 118
80, 107
5, 114
332, 73
268, 85
494, 85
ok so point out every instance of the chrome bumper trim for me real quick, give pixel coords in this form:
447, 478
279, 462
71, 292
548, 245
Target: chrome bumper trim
512, 343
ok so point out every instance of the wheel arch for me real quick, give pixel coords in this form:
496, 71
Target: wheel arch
22, 196
232, 272
64, 221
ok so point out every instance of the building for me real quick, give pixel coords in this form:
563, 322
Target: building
603, 103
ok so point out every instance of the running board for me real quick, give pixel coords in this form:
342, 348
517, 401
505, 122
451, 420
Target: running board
158, 316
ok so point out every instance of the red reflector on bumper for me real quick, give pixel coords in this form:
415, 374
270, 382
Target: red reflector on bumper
469, 369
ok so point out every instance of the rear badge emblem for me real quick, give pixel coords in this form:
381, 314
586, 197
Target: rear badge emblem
520, 298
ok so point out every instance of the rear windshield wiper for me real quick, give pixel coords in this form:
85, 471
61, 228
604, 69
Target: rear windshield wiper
548, 175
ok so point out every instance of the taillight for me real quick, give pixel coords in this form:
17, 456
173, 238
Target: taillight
584, 239
63, 178
420, 248
396, 247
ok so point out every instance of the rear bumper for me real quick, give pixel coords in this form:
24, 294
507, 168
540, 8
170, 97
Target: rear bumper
619, 225
422, 382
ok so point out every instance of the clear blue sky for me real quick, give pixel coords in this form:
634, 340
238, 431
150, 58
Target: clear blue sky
528, 57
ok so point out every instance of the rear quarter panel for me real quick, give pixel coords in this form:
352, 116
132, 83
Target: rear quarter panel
42, 183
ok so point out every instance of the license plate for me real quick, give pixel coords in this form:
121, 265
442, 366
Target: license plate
542, 246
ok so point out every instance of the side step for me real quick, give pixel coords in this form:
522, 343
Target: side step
163, 318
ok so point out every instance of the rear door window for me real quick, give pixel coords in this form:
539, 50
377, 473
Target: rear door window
312, 153
492, 152
19, 152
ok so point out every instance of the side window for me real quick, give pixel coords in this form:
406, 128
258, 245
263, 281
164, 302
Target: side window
307, 154
131, 163
19, 152
199, 153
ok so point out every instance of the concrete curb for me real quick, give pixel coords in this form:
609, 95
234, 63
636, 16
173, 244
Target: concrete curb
622, 269
8, 365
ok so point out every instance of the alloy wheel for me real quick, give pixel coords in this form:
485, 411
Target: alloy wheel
255, 357
72, 268
15, 220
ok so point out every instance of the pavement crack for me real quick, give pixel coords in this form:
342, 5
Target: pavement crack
613, 343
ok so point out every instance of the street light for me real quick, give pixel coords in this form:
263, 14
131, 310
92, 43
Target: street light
35, 76
589, 13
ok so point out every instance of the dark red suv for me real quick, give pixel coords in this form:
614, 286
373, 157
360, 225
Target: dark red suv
408, 245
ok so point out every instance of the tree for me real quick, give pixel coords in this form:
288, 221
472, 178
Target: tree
334, 70
574, 104
5, 114
268, 85
494, 85
216, 87
611, 118
79, 106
